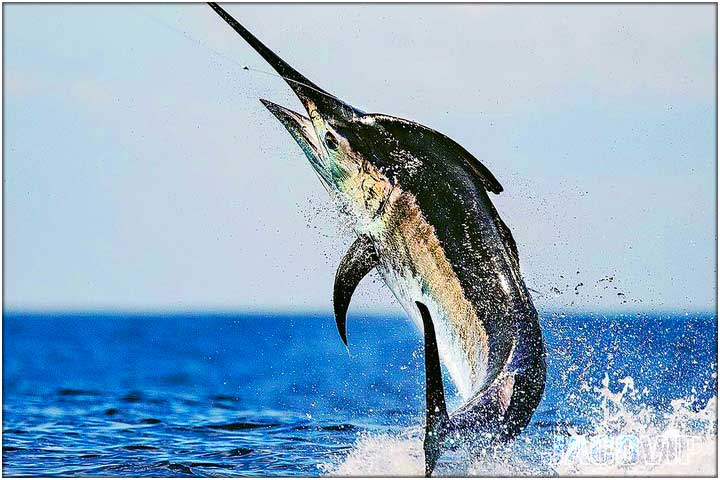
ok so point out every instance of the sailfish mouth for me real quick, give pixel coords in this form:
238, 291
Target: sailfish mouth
317, 102
302, 130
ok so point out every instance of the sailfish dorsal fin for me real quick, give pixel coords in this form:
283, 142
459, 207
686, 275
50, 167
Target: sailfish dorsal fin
427, 141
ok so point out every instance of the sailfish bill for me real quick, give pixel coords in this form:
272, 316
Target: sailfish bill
291, 76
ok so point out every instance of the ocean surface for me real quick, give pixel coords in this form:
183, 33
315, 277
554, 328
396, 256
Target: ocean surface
257, 395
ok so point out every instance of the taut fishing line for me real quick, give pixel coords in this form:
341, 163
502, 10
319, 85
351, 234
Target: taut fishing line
221, 55
257, 70
201, 43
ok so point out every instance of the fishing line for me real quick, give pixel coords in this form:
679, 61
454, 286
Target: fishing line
217, 53
232, 60
277, 75
188, 37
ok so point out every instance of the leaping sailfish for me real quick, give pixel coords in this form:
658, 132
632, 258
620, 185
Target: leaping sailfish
424, 220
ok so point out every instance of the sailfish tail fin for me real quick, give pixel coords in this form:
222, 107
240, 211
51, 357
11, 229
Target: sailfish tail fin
436, 416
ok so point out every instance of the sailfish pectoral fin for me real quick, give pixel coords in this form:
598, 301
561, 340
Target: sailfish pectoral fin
436, 416
357, 262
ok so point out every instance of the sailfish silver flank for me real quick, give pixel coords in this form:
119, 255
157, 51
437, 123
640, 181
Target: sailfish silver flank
424, 220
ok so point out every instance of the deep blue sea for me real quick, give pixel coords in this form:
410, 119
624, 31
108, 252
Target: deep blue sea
256, 395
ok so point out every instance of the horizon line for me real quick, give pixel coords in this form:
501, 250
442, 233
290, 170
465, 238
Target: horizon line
316, 312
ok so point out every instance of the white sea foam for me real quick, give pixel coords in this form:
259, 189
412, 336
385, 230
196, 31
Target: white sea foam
381, 455
627, 438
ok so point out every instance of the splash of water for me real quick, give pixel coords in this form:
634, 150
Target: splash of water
381, 455
624, 437
630, 438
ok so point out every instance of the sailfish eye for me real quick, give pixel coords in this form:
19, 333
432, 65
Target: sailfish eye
331, 141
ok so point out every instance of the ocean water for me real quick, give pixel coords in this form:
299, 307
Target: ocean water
232, 395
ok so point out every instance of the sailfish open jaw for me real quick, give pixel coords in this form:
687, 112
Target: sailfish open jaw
301, 129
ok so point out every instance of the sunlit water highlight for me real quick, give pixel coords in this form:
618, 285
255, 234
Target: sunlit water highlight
206, 395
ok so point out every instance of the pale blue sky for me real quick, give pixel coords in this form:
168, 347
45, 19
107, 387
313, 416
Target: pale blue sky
141, 171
